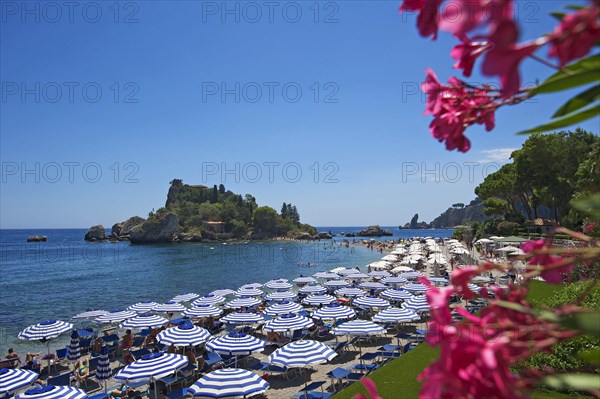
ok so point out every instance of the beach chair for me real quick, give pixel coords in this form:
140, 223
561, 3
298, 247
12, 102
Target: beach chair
100, 396
61, 379
311, 391
409, 346
140, 353
178, 394
61, 355
138, 341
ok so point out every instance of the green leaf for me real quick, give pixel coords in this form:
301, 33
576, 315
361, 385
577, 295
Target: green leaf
587, 322
574, 7
579, 101
591, 356
564, 121
558, 15
577, 74
589, 205
580, 382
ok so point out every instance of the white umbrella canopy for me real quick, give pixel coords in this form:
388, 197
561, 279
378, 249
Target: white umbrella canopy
229, 383
391, 258
301, 354
379, 265
508, 248
402, 269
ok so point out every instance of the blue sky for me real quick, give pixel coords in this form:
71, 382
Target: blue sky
150, 91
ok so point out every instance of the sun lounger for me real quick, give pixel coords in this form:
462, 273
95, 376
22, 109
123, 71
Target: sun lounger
62, 379
312, 390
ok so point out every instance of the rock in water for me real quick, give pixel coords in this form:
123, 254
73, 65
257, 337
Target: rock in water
37, 239
95, 233
374, 231
160, 228
121, 231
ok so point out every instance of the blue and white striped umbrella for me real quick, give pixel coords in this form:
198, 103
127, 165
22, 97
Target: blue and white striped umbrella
185, 297
278, 285
116, 316
74, 351
142, 307
235, 344
45, 330
203, 311
228, 384
396, 294
53, 392
208, 300
242, 318
304, 280
103, 370
357, 276
393, 280
334, 311
417, 303
222, 292
13, 379
345, 271
152, 367
438, 280
185, 334
333, 284
288, 322
395, 315
358, 327
246, 292
473, 287
318, 299
302, 353
327, 275
145, 320
379, 273
372, 285
350, 292
281, 296
312, 289
90, 314
371, 302
242, 303
283, 308
169, 307
410, 275
415, 287
251, 286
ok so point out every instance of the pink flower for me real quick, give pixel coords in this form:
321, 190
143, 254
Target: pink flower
505, 56
554, 266
461, 278
575, 36
371, 388
466, 54
427, 21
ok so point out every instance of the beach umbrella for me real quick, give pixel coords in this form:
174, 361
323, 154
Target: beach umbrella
358, 328
395, 315
74, 351
393, 280
278, 285
142, 307
312, 289
334, 284
152, 367
473, 287
242, 292
185, 334
372, 285
350, 292
396, 294
411, 275
283, 308
209, 299
90, 314
242, 303
281, 296
418, 304
371, 302
103, 370
357, 276
415, 287
228, 383
222, 292
145, 320
438, 280
379, 273
45, 330
242, 318
326, 275
14, 379
391, 258
333, 311
345, 271
250, 286
116, 316
304, 280
379, 265
53, 392
318, 299
185, 297
289, 322
301, 354
235, 344
169, 307
402, 269
202, 311
481, 279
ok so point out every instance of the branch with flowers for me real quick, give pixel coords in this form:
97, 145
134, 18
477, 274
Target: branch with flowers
457, 105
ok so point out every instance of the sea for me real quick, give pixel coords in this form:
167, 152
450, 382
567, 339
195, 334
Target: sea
57, 279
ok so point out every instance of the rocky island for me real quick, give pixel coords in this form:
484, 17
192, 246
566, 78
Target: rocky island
194, 213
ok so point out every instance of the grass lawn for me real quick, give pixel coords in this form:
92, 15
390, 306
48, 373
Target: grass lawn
398, 378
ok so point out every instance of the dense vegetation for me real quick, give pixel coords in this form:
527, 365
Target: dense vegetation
219, 213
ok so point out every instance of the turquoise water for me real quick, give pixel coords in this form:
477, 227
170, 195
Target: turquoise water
65, 276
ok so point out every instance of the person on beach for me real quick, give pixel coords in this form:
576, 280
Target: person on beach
81, 369
151, 338
274, 336
124, 392
126, 340
12, 355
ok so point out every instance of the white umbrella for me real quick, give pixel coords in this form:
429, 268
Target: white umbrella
228, 384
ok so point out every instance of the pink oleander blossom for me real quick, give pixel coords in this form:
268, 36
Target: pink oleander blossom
467, 53
575, 36
427, 21
371, 388
554, 266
